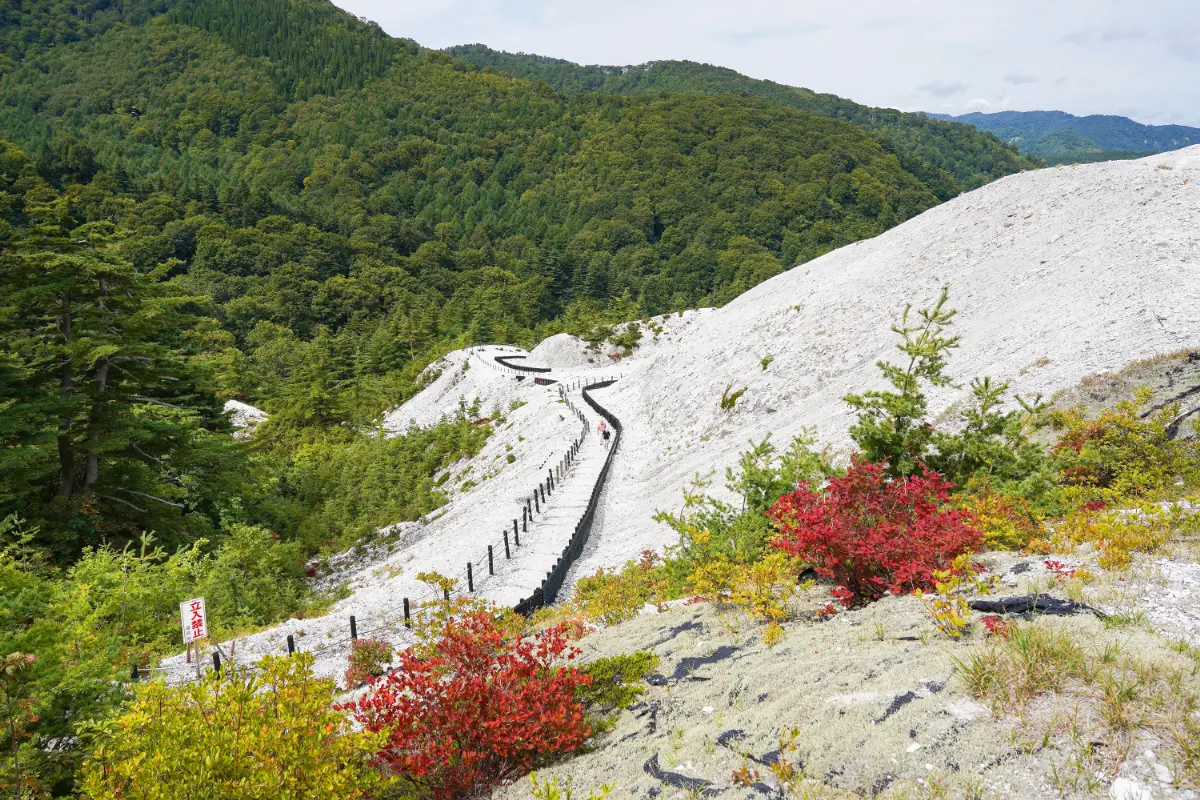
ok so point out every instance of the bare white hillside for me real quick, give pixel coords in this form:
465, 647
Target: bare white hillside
1057, 274
457, 382
245, 417
568, 353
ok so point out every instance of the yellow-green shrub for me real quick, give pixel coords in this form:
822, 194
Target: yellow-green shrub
274, 736
1006, 522
1120, 533
947, 604
761, 589
1120, 455
612, 597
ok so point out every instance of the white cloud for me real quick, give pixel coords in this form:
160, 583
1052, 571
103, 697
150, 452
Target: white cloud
943, 89
922, 57
1019, 78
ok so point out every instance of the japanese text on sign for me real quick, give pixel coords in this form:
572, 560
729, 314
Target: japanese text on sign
195, 624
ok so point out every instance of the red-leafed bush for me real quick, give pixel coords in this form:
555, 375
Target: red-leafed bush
479, 709
870, 534
998, 626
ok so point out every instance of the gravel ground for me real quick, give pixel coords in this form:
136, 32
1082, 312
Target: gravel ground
877, 702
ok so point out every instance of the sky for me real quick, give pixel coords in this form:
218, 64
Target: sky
1134, 59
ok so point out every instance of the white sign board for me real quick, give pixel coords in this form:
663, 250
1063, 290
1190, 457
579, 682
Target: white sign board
195, 623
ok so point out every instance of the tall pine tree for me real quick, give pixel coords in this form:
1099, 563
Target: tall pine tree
111, 409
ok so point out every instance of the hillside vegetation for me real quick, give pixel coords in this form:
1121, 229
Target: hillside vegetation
949, 158
1062, 138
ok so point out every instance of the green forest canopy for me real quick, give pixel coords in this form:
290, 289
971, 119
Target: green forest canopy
947, 158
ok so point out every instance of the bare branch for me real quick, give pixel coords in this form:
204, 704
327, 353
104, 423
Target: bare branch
145, 454
155, 402
119, 368
124, 503
151, 497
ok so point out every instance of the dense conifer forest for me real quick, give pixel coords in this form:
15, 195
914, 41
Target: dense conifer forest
947, 158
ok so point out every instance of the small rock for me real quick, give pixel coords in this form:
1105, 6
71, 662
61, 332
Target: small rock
708, 709
1129, 789
914, 747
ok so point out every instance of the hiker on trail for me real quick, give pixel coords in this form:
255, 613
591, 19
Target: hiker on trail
605, 433
602, 427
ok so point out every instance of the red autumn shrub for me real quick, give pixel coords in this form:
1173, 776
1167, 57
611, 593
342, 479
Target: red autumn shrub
870, 534
479, 710
997, 626
1060, 570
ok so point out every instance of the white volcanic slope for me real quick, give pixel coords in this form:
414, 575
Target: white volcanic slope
485, 494
1057, 274
244, 415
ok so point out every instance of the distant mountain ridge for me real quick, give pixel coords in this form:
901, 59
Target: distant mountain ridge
1060, 137
944, 155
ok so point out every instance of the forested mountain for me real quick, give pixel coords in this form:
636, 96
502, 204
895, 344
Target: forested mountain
927, 147
1059, 137
319, 180
323, 209
272, 200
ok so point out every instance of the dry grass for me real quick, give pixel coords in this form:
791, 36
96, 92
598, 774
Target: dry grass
1031, 661
1118, 693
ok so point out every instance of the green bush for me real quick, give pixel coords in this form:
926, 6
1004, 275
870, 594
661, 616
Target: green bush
614, 597
1121, 454
273, 736
369, 658
729, 400
339, 485
711, 529
892, 426
617, 683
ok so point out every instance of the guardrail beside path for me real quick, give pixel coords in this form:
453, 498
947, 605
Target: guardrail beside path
477, 571
504, 361
548, 592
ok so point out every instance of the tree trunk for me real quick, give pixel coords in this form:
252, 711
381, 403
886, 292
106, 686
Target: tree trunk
66, 452
91, 471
